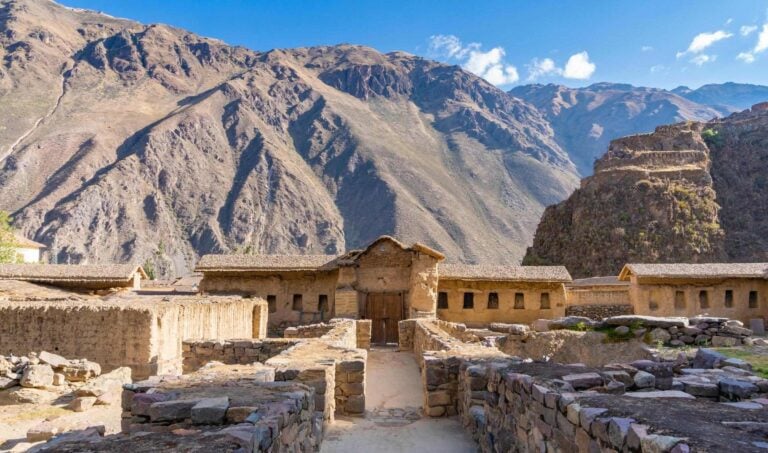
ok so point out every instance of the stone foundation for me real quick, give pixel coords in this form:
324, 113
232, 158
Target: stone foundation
598, 312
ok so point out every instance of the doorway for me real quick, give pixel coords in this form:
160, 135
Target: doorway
384, 310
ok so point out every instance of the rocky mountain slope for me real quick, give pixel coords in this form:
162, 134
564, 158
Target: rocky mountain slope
726, 97
128, 142
586, 119
690, 192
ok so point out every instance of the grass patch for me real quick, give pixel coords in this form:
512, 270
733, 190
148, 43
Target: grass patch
758, 359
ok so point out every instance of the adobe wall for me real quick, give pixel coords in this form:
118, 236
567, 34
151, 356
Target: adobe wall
112, 335
597, 295
144, 333
282, 285
658, 299
481, 315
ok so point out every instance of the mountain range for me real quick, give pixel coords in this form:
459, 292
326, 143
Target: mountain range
147, 143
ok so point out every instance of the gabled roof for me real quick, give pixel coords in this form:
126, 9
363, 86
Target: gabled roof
503, 273
701, 270
70, 272
244, 263
598, 281
416, 247
23, 242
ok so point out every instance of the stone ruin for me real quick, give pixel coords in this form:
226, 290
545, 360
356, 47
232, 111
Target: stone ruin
569, 384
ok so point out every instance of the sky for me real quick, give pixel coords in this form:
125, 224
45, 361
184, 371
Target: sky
658, 43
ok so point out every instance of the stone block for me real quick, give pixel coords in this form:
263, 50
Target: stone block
620, 376
588, 414
757, 326
353, 389
618, 428
210, 411
583, 381
41, 432
37, 376
438, 398
168, 411
436, 411
54, 360
82, 403
644, 380
707, 358
701, 389
660, 394
734, 389
355, 404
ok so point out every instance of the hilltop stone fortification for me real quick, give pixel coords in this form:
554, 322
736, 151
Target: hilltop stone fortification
690, 192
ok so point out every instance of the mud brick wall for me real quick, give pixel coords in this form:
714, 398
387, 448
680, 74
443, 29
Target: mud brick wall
507, 411
599, 312
143, 334
197, 353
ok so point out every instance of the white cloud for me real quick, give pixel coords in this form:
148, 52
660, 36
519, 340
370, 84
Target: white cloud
746, 57
762, 40
761, 46
542, 68
729, 21
489, 65
657, 68
646, 49
703, 58
579, 67
702, 41
747, 30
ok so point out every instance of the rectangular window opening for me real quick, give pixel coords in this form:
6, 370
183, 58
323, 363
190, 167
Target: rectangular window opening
298, 302
442, 300
703, 299
545, 301
753, 299
519, 301
272, 303
680, 300
728, 301
469, 300
493, 301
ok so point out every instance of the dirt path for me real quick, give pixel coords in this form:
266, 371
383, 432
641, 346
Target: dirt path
393, 421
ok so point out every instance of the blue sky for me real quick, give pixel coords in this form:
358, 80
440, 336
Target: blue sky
659, 43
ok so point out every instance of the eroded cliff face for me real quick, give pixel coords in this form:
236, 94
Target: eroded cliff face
126, 142
690, 192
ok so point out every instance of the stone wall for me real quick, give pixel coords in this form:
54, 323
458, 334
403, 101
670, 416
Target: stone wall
331, 364
221, 409
597, 295
599, 311
144, 333
307, 331
509, 411
197, 353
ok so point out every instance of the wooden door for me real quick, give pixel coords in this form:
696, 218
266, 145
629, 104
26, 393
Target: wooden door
384, 310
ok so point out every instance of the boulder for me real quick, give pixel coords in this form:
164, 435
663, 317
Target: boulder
736, 330
513, 329
648, 321
37, 376
701, 389
82, 403
168, 411
659, 335
6, 383
22, 395
720, 341
621, 330
80, 370
59, 379
707, 358
54, 360
736, 363
643, 380
620, 376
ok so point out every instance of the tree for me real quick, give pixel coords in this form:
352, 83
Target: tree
7, 239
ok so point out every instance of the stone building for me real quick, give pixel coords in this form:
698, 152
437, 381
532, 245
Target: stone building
76, 276
386, 282
477, 295
27, 250
732, 290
